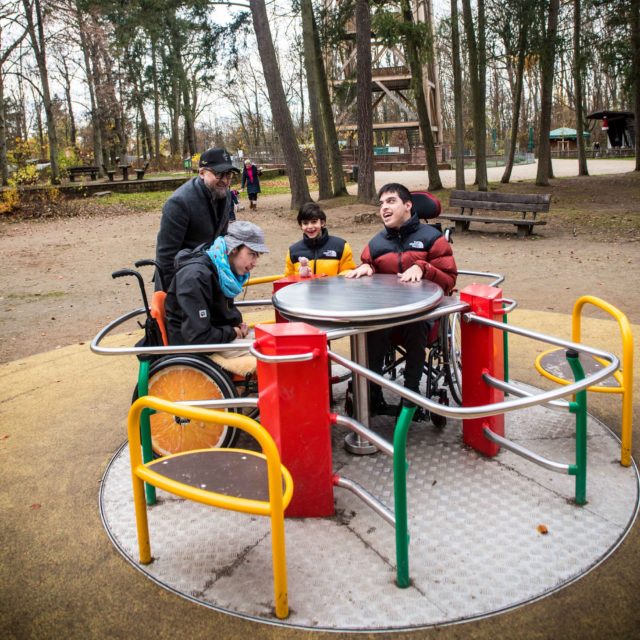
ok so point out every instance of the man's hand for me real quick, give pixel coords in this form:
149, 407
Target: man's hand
242, 331
363, 270
412, 274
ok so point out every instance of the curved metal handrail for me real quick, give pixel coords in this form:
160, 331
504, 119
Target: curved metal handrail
497, 277
499, 407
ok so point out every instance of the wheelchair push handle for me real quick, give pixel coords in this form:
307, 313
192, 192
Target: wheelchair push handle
121, 273
148, 262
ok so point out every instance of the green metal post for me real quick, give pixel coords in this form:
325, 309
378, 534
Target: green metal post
579, 408
400, 494
145, 426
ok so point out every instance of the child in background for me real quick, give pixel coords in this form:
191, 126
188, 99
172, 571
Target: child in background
235, 205
327, 255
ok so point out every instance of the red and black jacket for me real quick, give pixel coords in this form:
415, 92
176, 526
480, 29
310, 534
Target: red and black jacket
395, 250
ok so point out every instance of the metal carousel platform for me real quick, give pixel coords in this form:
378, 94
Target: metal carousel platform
487, 534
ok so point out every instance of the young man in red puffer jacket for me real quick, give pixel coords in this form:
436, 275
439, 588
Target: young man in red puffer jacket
413, 251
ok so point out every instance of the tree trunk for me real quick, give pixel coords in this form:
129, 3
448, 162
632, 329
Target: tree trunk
335, 157
279, 108
517, 101
477, 67
415, 67
366, 176
313, 81
4, 166
457, 95
578, 65
547, 61
635, 55
67, 94
36, 35
114, 107
188, 114
156, 99
96, 122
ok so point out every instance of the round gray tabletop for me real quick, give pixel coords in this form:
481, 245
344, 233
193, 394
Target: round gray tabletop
356, 301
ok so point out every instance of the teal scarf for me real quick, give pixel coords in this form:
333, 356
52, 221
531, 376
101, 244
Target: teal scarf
230, 282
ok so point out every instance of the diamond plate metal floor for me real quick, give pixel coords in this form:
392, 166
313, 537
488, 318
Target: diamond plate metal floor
475, 545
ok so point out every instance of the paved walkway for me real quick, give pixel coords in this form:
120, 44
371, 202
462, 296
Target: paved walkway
561, 168
62, 419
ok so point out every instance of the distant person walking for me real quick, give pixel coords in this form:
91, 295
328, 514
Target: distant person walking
197, 212
251, 179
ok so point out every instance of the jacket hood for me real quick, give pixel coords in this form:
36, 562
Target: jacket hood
186, 255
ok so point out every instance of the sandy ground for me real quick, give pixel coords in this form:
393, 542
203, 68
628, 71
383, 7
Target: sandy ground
61, 578
56, 288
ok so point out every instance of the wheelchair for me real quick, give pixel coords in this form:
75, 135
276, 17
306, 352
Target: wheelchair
186, 376
443, 365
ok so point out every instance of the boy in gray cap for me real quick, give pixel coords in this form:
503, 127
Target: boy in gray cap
197, 212
199, 304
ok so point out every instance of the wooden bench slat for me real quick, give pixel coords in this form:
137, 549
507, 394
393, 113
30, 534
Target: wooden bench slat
517, 221
499, 206
491, 196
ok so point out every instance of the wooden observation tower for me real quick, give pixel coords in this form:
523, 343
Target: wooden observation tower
394, 109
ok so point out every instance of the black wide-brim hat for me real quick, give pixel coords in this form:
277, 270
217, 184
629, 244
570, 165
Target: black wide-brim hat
217, 159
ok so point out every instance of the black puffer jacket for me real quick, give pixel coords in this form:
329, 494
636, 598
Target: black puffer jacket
197, 311
190, 217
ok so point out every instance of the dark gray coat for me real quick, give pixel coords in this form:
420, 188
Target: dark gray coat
197, 311
190, 217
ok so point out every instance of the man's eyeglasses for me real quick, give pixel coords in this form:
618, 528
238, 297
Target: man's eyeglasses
221, 175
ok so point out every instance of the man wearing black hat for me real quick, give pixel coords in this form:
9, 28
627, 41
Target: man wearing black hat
197, 212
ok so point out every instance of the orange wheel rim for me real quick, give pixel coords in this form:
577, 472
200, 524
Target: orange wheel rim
183, 383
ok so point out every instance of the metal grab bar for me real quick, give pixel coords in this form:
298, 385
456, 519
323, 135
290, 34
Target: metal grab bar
511, 306
368, 498
224, 403
517, 391
295, 357
371, 436
500, 407
497, 277
96, 347
558, 467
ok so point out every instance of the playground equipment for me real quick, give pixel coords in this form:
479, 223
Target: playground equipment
294, 407
234, 479
550, 366
294, 399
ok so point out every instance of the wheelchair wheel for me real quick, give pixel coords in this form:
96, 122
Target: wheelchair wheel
451, 348
188, 378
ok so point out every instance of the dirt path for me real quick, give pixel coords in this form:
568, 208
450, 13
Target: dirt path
56, 287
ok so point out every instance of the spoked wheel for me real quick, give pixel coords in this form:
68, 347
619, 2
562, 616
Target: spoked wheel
451, 342
188, 378
435, 380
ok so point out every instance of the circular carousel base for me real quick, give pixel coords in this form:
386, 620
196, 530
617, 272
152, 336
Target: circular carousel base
487, 534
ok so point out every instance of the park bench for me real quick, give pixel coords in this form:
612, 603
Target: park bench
82, 171
110, 172
517, 203
140, 172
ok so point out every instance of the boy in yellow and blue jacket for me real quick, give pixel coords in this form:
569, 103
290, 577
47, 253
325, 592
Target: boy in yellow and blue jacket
328, 255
